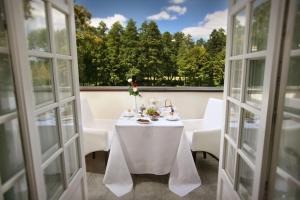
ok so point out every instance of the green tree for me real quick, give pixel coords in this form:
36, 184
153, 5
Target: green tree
201, 42
109, 57
178, 37
169, 66
117, 74
82, 20
129, 50
91, 50
82, 17
212, 73
190, 62
216, 42
102, 29
150, 59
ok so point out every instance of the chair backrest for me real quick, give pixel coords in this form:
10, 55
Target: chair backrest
86, 113
214, 112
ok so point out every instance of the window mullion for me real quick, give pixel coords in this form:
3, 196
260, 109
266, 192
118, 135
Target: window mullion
56, 88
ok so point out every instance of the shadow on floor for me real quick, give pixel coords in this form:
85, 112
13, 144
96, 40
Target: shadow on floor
152, 187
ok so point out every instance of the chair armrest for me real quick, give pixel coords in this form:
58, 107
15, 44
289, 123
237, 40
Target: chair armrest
95, 140
207, 140
207, 131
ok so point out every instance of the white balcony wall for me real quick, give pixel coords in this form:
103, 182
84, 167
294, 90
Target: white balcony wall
110, 104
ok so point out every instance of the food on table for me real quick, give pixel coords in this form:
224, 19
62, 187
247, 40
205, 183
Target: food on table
152, 112
143, 121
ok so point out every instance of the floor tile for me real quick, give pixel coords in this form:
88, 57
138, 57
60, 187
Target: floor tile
152, 187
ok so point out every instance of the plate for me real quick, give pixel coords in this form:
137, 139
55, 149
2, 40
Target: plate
143, 121
172, 118
128, 114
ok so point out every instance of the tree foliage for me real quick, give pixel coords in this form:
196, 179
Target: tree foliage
110, 57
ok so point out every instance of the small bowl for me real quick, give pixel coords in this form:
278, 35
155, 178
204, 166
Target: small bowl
154, 118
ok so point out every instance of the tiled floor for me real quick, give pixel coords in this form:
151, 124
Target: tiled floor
151, 187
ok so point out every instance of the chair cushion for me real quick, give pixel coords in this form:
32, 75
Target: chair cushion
86, 113
95, 140
214, 112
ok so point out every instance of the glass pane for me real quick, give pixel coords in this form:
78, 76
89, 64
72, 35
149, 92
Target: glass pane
292, 93
229, 160
245, 180
65, 78
72, 161
11, 154
296, 37
3, 33
285, 189
7, 96
36, 25
19, 191
288, 167
41, 70
61, 32
255, 79
289, 151
235, 79
239, 21
249, 133
68, 121
54, 179
233, 121
48, 132
260, 15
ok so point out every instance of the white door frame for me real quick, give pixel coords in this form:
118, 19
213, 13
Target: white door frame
284, 72
25, 100
271, 54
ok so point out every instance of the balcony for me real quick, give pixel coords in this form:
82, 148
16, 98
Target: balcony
110, 102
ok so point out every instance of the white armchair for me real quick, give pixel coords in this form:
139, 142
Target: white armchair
204, 134
97, 133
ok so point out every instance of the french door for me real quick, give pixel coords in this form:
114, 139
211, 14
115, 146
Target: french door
253, 54
40, 135
285, 170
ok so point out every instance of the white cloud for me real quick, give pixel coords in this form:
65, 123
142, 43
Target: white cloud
211, 21
110, 20
177, 9
177, 1
163, 15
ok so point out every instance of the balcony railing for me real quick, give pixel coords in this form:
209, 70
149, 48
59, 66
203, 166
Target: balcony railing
110, 102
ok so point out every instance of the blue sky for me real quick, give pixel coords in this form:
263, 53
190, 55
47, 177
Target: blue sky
195, 17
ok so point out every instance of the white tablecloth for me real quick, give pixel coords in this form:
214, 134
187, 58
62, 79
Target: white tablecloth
157, 148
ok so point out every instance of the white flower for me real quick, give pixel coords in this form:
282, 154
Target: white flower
134, 89
129, 80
